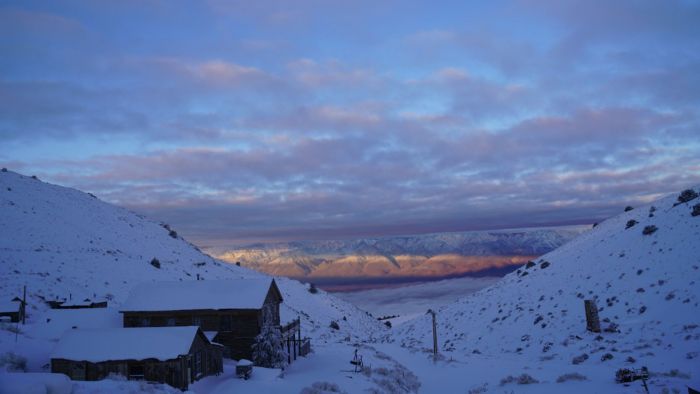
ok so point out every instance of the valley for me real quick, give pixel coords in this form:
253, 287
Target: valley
525, 332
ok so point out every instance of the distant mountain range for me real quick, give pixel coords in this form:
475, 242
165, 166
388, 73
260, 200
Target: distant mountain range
426, 255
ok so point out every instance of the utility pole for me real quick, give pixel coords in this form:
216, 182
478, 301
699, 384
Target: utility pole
435, 346
24, 305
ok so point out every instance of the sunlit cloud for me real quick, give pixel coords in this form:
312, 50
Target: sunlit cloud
238, 121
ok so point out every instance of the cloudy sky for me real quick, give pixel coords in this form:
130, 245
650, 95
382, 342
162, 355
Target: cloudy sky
240, 121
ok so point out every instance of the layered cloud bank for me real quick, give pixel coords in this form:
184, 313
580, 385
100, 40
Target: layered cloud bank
278, 121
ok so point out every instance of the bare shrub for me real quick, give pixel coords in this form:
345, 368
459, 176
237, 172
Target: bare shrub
13, 362
322, 388
571, 377
522, 379
651, 229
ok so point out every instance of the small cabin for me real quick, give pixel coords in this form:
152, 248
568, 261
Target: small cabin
233, 312
176, 356
14, 310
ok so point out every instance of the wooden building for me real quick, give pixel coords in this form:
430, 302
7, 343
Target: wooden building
14, 309
231, 312
176, 356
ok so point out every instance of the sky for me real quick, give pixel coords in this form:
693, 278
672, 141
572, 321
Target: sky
248, 121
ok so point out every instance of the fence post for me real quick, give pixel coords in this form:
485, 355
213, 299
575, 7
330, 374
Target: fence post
592, 319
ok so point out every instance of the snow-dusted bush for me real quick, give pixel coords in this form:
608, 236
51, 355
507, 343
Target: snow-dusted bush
484, 388
4, 169
522, 379
696, 210
571, 376
312, 288
648, 230
269, 350
631, 223
396, 380
322, 388
10, 361
674, 373
628, 208
687, 195
579, 359
155, 262
172, 233
334, 325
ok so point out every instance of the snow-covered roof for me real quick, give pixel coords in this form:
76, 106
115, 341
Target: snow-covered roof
210, 335
9, 306
141, 343
195, 295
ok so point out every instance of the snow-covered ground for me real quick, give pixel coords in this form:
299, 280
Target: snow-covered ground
527, 328
647, 287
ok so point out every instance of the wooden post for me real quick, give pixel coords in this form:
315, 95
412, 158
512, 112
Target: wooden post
592, 320
23, 307
435, 341
299, 334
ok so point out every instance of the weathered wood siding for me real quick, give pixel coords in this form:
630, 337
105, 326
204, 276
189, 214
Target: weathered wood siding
236, 328
177, 372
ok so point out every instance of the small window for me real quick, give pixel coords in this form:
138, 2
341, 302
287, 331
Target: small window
225, 323
171, 321
145, 322
196, 321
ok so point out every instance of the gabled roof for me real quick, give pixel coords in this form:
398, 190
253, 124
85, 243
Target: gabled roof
97, 345
199, 295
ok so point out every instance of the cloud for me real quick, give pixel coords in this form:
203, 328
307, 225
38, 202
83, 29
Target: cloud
267, 120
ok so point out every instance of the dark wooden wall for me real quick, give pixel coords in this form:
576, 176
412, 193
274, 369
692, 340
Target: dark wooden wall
173, 372
245, 325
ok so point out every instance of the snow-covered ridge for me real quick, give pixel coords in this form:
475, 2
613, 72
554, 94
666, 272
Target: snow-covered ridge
61, 243
642, 267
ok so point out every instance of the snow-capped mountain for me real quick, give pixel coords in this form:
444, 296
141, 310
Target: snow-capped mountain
438, 254
63, 243
643, 269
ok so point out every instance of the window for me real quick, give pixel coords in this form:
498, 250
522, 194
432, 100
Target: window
145, 322
171, 321
225, 323
196, 321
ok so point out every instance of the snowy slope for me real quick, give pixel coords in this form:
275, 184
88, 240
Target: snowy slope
62, 243
647, 285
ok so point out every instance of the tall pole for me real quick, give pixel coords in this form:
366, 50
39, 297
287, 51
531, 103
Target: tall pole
435, 345
24, 305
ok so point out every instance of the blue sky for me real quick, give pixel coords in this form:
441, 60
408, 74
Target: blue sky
273, 120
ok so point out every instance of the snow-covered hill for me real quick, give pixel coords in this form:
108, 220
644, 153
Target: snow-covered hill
643, 269
61, 242
426, 255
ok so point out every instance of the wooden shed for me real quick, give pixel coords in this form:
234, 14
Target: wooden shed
13, 309
176, 356
234, 310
